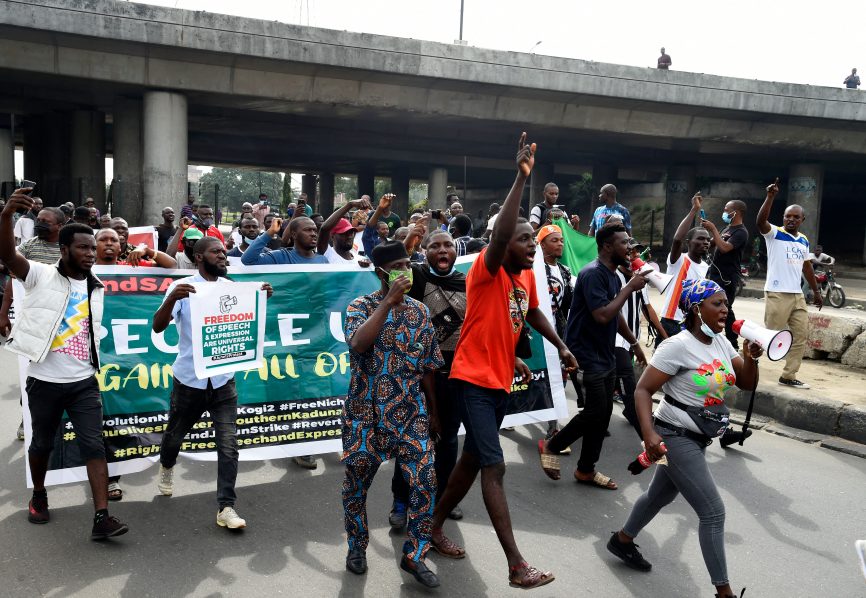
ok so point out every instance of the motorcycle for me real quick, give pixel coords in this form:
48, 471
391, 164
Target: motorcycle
831, 290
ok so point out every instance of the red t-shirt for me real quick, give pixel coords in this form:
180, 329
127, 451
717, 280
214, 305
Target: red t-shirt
485, 351
211, 232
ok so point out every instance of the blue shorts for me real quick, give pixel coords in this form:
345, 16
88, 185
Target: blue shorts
482, 410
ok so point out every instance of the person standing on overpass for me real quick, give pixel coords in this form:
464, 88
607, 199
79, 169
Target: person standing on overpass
664, 62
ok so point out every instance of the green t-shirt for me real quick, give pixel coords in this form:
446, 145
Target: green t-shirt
393, 221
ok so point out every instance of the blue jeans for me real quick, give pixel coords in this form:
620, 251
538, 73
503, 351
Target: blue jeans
687, 474
187, 406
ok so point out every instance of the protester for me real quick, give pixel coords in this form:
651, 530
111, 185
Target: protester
246, 212
204, 221
189, 209
784, 304
593, 322
191, 396
455, 209
442, 288
94, 218
275, 242
108, 253
607, 194
305, 237
166, 230
852, 81
188, 236
339, 230
121, 227
385, 415
539, 215
261, 209
682, 266
63, 349
105, 221
501, 299
249, 230
664, 61
388, 217
81, 215
694, 369
492, 213
90, 204
728, 257
461, 228
24, 227
376, 232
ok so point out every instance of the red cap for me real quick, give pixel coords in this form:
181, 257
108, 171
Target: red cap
342, 226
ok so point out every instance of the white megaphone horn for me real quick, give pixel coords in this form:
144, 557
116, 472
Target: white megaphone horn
658, 280
776, 343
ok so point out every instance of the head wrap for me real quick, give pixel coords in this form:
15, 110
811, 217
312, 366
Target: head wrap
546, 230
387, 252
694, 292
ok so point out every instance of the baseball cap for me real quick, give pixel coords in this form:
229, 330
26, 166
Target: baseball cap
192, 233
342, 226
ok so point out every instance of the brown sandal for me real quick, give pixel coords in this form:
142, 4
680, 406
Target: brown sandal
598, 480
447, 548
549, 461
533, 577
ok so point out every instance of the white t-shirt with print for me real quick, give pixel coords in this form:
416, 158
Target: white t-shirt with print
700, 374
785, 256
69, 357
335, 258
683, 269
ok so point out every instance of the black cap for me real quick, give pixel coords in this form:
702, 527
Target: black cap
387, 252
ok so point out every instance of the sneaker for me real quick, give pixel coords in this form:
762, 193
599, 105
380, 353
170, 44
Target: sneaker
306, 461
793, 383
108, 527
860, 547
356, 561
629, 553
730, 437
37, 510
20, 434
397, 518
228, 517
166, 480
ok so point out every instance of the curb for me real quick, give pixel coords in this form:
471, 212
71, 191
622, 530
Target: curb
759, 294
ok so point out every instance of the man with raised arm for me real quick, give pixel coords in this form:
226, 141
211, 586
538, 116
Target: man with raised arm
501, 299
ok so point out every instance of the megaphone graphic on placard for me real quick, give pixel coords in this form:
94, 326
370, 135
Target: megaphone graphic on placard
658, 280
776, 343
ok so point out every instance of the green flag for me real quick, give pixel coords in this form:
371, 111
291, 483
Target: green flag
579, 249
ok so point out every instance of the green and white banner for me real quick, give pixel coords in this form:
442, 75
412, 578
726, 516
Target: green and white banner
290, 404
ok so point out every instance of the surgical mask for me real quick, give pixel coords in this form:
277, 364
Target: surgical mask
207, 222
706, 329
435, 273
40, 229
727, 217
252, 237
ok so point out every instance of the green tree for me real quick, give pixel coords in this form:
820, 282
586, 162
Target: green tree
287, 196
237, 186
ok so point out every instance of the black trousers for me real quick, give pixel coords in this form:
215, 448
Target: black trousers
626, 383
730, 289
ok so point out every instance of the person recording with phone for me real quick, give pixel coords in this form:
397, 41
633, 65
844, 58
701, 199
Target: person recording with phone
302, 233
694, 369
728, 256
377, 231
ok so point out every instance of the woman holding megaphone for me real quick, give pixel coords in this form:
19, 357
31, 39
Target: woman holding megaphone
694, 368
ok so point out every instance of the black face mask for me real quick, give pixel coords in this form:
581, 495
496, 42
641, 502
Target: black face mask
189, 253
41, 230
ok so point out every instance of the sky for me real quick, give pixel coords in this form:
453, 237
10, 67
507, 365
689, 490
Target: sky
815, 43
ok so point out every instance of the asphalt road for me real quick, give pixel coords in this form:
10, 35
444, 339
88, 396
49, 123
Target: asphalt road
794, 512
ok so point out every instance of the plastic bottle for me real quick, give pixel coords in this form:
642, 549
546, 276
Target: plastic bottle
643, 461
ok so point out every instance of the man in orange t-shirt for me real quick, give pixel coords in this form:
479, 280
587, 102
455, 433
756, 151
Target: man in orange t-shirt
500, 299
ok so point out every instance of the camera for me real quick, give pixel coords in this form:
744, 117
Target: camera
436, 214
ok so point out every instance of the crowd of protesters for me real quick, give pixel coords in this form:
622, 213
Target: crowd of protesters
457, 358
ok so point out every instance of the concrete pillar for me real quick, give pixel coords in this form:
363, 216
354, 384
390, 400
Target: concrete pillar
46, 156
308, 186
805, 188
541, 175
164, 153
127, 191
679, 188
602, 174
400, 187
326, 194
367, 185
7, 161
87, 157
437, 187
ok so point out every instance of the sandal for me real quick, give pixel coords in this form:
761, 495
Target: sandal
115, 492
533, 577
447, 548
598, 480
549, 462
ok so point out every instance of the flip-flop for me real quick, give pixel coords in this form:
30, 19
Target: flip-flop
599, 480
115, 492
447, 548
549, 462
534, 577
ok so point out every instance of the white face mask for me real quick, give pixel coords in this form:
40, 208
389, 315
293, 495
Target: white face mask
706, 329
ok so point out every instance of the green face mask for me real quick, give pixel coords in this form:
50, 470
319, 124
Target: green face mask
394, 274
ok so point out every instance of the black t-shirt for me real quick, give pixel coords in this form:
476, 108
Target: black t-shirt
728, 264
445, 297
590, 342
164, 235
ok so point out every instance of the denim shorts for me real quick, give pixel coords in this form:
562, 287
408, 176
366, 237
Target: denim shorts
482, 411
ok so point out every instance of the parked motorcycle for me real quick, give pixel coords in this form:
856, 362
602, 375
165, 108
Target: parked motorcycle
831, 290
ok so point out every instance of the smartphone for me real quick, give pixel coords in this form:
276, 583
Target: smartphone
436, 214
703, 214
24, 184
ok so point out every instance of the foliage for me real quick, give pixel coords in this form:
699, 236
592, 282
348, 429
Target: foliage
237, 186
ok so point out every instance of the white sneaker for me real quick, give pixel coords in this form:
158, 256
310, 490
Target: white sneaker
229, 518
166, 480
860, 546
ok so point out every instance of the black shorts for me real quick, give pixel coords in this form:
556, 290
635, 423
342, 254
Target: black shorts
482, 410
82, 402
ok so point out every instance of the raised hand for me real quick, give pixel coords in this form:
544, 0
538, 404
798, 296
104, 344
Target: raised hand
276, 225
696, 201
525, 156
773, 189
386, 201
19, 201
397, 291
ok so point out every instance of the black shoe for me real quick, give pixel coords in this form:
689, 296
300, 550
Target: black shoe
629, 553
420, 572
37, 510
108, 527
732, 595
397, 517
356, 561
730, 437
793, 383
456, 513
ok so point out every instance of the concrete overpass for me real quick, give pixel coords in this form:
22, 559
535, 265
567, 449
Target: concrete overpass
158, 87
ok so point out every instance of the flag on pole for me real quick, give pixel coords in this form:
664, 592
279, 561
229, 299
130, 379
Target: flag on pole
579, 249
